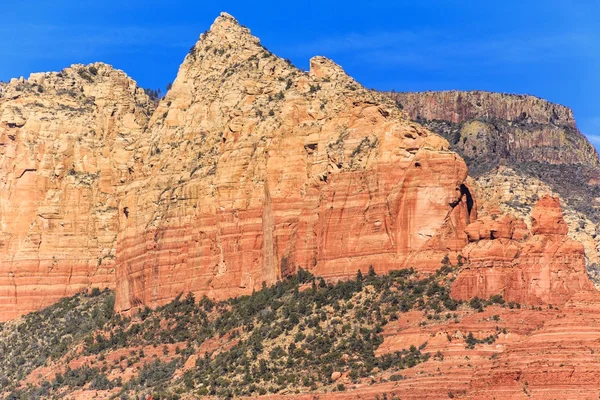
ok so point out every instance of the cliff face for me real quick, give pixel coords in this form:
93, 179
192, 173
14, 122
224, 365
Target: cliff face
456, 107
542, 267
492, 128
66, 146
249, 169
519, 148
255, 168
516, 193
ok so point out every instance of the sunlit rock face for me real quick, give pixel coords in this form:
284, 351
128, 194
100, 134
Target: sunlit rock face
541, 267
519, 148
66, 147
254, 168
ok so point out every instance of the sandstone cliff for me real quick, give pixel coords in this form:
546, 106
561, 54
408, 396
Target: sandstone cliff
501, 128
254, 168
456, 107
536, 138
249, 169
519, 148
66, 146
540, 267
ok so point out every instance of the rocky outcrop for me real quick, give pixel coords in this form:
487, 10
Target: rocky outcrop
502, 259
456, 107
516, 193
66, 146
547, 219
250, 169
519, 148
556, 361
495, 128
254, 168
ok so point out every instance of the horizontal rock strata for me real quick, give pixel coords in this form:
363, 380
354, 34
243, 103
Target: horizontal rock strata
66, 146
543, 267
255, 168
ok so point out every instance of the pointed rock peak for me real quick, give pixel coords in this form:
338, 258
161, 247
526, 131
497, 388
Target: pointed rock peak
226, 16
547, 217
225, 35
225, 21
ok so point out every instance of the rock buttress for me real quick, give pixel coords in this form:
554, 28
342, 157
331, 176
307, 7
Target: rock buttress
66, 141
544, 267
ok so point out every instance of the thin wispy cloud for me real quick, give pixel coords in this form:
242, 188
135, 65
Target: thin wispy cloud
431, 49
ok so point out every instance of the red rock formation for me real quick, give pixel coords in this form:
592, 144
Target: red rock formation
547, 219
557, 361
545, 267
492, 129
519, 147
251, 169
66, 140
456, 106
255, 168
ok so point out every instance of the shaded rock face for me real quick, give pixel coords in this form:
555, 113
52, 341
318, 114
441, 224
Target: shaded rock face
254, 168
456, 107
543, 267
493, 128
66, 147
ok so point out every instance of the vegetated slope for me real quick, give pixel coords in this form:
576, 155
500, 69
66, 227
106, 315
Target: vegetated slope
300, 334
396, 336
33, 340
519, 148
66, 145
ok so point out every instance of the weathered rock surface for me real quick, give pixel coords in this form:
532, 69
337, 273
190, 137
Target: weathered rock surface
519, 148
66, 146
251, 168
546, 267
502, 127
538, 354
456, 106
254, 168
515, 193
556, 361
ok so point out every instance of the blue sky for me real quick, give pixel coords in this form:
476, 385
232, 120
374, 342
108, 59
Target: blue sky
547, 48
